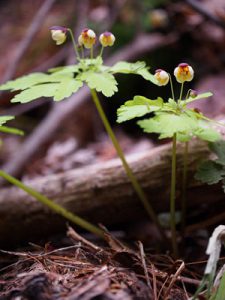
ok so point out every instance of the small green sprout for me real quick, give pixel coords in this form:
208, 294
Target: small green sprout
172, 119
61, 82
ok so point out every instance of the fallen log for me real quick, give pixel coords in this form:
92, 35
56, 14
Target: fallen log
101, 193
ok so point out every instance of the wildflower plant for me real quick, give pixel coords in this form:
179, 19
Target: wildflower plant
61, 82
172, 118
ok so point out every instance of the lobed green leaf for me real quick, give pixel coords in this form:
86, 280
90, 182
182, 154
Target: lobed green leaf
219, 149
28, 81
101, 82
167, 124
35, 92
206, 133
210, 172
66, 88
65, 70
4, 119
138, 68
200, 96
127, 67
138, 107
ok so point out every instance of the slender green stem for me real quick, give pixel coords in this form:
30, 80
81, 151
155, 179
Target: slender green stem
82, 51
53, 206
181, 92
91, 53
128, 170
101, 51
188, 94
184, 189
173, 198
74, 43
171, 86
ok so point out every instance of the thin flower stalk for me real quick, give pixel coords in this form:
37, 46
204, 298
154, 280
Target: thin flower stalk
53, 206
126, 166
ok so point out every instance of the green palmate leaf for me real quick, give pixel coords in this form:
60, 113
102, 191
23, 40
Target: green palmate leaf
11, 130
170, 106
138, 107
138, 68
147, 75
65, 70
28, 81
219, 149
166, 124
200, 96
4, 119
101, 82
127, 68
24, 82
37, 91
210, 172
206, 133
66, 88
182, 137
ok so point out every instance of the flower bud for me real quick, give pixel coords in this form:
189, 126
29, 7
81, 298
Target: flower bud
58, 34
193, 93
107, 39
162, 77
158, 18
87, 38
183, 73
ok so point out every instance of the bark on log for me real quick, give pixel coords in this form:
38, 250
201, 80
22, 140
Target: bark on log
100, 193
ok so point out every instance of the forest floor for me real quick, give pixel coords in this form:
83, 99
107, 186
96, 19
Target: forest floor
89, 270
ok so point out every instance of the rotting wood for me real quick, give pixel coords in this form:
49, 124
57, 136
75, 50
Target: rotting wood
101, 193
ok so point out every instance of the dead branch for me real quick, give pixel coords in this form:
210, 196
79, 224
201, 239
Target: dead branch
29, 36
101, 193
142, 44
205, 13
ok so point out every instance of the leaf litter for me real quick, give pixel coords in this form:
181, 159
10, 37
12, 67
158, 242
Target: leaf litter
84, 270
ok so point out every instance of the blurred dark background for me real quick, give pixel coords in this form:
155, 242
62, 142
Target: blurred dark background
161, 32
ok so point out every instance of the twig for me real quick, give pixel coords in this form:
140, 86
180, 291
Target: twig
60, 112
196, 5
142, 254
154, 282
29, 35
174, 279
76, 237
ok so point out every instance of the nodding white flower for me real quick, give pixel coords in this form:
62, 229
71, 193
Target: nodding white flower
183, 72
87, 38
162, 77
58, 34
80, 40
107, 39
